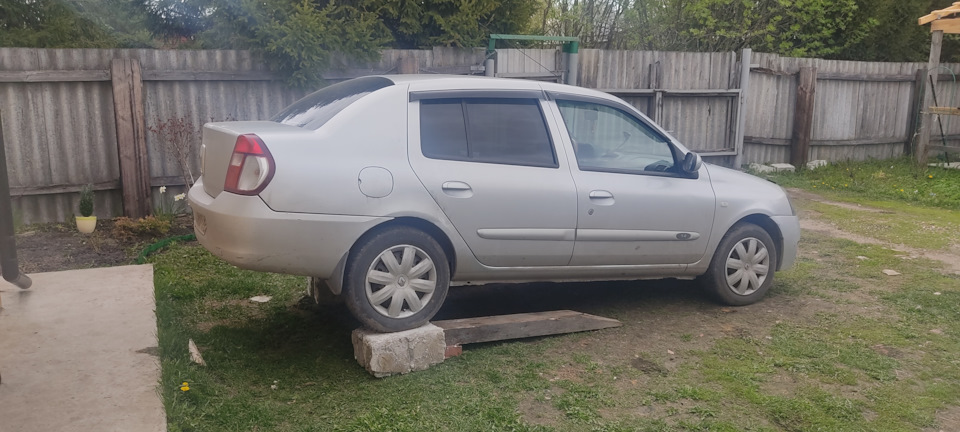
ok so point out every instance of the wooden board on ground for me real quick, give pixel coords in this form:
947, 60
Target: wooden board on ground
516, 326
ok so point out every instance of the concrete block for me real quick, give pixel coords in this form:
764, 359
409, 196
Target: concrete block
951, 165
759, 168
385, 354
814, 164
780, 167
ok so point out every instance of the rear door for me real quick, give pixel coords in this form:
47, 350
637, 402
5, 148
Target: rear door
635, 205
491, 165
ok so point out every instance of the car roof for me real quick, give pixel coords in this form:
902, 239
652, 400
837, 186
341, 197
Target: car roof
427, 82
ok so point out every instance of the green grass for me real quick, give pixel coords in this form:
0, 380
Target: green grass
841, 348
880, 180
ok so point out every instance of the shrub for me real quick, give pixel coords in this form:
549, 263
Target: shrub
126, 229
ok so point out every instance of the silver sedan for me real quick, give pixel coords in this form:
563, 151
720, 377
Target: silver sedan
390, 189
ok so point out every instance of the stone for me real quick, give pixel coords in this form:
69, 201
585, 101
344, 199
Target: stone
814, 164
781, 167
385, 354
760, 169
889, 272
951, 165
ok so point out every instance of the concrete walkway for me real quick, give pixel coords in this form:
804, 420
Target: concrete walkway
78, 352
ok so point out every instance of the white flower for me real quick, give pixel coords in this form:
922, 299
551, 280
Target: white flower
179, 197
163, 189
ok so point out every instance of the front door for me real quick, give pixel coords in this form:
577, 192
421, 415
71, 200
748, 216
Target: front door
635, 206
492, 167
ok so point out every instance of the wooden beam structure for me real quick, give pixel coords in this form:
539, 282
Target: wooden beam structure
803, 116
131, 137
939, 14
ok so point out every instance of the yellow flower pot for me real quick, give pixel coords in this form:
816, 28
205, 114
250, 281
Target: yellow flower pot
86, 224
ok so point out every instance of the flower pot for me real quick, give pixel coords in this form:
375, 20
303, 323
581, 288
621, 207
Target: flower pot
86, 224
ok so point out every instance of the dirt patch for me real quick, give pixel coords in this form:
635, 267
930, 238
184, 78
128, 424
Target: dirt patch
55, 247
950, 258
948, 420
541, 413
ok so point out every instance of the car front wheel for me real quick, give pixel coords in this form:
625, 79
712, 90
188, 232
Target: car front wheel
743, 266
396, 279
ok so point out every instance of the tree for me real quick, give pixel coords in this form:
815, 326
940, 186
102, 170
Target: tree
48, 24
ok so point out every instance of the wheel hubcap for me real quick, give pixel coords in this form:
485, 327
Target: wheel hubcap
748, 264
401, 281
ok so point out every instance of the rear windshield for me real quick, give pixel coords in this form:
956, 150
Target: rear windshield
318, 107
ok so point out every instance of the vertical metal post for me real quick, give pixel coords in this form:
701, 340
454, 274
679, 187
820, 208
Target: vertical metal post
745, 59
572, 50
8, 242
489, 67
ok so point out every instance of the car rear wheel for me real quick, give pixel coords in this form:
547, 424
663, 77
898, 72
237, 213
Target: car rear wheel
396, 279
743, 266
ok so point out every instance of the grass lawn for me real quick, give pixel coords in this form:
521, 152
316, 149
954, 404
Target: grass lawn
836, 346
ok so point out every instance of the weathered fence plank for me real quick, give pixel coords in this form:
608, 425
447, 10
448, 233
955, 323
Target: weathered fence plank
131, 140
803, 116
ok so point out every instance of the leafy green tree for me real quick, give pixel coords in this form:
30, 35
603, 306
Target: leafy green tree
49, 24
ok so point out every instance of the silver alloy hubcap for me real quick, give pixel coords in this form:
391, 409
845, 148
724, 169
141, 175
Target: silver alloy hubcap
747, 266
401, 281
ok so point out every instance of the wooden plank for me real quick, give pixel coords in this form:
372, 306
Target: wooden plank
942, 110
949, 26
182, 75
18, 191
516, 326
131, 139
803, 116
54, 76
938, 14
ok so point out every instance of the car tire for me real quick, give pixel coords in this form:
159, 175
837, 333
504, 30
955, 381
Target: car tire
396, 279
743, 266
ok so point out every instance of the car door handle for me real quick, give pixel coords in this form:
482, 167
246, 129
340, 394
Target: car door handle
455, 186
601, 197
457, 189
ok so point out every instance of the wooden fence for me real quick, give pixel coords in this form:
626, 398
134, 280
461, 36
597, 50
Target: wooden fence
78, 116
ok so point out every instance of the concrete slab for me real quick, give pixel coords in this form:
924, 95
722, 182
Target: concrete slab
78, 352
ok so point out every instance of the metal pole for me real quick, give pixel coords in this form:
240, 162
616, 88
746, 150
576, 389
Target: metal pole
8, 243
572, 50
489, 67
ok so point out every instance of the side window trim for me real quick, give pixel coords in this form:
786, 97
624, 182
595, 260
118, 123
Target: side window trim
536, 96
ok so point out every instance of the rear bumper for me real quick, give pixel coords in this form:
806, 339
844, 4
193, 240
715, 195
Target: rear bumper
790, 229
245, 232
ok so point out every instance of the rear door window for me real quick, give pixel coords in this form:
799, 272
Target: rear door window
317, 108
491, 130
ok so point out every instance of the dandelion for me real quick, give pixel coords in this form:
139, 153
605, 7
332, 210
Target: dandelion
901, 190
179, 197
930, 176
844, 185
185, 386
163, 189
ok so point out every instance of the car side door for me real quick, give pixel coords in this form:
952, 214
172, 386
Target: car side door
635, 205
491, 165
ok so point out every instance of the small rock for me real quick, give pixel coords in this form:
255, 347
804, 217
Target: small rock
814, 164
862, 258
781, 167
936, 293
260, 299
760, 169
936, 331
889, 272
195, 353
670, 352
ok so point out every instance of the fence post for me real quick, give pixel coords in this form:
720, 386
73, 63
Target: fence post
745, 61
803, 116
916, 98
408, 65
926, 120
131, 138
655, 105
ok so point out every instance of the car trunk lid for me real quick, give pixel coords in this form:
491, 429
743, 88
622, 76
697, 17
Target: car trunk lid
219, 140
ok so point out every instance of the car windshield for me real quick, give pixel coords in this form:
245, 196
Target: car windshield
314, 110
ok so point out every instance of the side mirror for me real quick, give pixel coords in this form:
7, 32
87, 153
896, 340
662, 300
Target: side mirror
691, 163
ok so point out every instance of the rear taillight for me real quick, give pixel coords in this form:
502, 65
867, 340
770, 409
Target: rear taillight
251, 166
